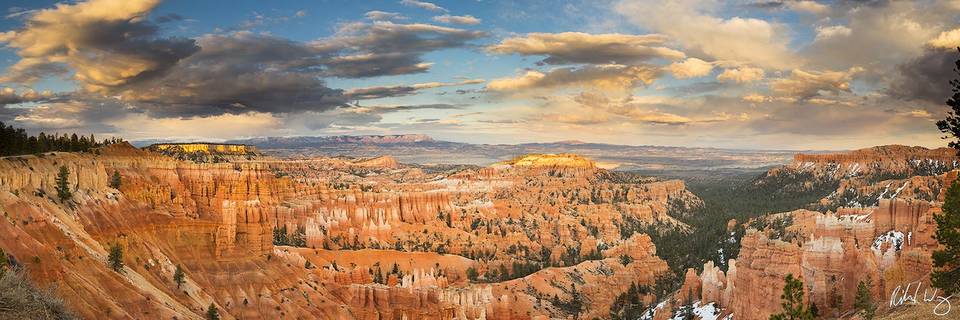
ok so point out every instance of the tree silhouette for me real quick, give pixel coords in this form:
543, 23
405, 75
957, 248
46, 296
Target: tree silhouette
946, 275
951, 124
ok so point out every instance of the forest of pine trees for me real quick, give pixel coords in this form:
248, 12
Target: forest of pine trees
16, 141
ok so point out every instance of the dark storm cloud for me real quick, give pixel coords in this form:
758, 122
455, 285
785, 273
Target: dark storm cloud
402, 90
239, 73
113, 50
437, 106
106, 44
387, 48
926, 77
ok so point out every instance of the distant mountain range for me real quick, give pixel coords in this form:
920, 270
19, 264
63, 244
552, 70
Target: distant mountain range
422, 149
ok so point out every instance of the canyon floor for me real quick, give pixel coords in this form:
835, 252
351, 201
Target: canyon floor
536, 236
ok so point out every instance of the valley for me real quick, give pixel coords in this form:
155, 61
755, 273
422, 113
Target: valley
532, 237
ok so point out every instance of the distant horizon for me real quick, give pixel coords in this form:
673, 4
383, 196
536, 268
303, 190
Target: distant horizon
146, 142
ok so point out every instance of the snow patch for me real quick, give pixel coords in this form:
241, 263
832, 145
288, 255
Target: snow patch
704, 312
895, 238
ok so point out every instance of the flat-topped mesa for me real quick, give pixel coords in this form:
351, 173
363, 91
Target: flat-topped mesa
880, 154
203, 147
386, 162
565, 160
882, 161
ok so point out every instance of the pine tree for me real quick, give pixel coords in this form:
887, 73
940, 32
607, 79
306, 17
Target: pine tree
792, 301
115, 180
864, 300
951, 124
178, 277
212, 313
946, 275
63, 187
115, 259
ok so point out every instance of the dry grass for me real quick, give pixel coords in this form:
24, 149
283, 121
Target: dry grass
21, 299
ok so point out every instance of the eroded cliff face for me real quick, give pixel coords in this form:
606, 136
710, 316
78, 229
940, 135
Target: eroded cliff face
888, 245
379, 239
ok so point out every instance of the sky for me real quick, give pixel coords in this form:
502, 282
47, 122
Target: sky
731, 74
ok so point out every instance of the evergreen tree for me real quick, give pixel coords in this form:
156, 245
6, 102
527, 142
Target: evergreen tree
212, 313
115, 259
864, 300
63, 187
951, 125
792, 301
115, 180
946, 275
178, 277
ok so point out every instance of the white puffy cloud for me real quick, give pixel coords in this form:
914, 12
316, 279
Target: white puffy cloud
946, 40
809, 7
744, 40
690, 68
829, 32
579, 47
449, 19
811, 84
741, 75
600, 77
423, 5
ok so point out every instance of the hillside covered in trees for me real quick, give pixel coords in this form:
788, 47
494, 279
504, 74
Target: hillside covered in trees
16, 141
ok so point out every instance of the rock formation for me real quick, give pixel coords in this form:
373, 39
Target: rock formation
331, 237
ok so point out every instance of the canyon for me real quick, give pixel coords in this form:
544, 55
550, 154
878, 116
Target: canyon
537, 236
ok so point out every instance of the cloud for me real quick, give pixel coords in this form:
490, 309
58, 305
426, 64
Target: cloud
742, 40
876, 36
89, 114
448, 19
810, 84
690, 68
107, 43
387, 48
423, 5
112, 50
238, 73
377, 15
741, 75
578, 47
809, 7
946, 40
603, 77
10, 96
595, 108
927, 77
401, 90
755, 98
828, 32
